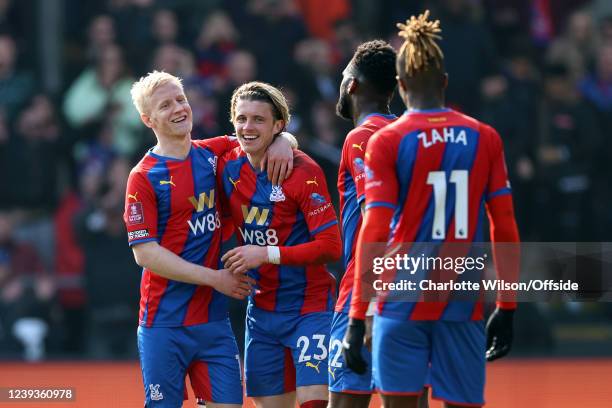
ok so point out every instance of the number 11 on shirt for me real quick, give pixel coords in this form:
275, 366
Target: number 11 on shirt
438, 180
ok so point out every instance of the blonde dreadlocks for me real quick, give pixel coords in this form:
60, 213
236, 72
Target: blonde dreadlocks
420, 47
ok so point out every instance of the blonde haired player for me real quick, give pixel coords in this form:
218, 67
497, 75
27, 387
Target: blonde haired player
174, 229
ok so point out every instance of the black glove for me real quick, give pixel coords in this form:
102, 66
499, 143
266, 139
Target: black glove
352, 344
499, 333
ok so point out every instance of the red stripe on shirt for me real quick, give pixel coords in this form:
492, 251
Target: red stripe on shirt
417, 200
183, 182
197, 310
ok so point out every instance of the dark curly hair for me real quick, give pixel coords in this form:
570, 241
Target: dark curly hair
375, 61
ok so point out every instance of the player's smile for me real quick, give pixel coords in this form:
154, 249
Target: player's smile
170, 111
249, 138
251, 143
255, 126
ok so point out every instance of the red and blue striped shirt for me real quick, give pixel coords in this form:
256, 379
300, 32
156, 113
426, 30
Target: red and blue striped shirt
436, 170
284, 216
351, 179
175, 202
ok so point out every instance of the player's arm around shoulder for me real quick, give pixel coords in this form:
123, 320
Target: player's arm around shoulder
278, 159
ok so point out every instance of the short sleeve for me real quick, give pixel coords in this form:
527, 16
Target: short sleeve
381, 185
140, 214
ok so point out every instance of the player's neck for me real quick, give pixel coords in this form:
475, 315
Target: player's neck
364, 109
173, 147
420, 102
255, 159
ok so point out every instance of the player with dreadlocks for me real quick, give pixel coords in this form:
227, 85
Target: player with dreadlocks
429, 176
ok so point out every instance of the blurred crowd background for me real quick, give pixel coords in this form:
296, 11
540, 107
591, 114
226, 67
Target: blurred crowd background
539, 71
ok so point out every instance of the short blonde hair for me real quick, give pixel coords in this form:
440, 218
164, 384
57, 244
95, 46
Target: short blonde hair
261, 91
143, 88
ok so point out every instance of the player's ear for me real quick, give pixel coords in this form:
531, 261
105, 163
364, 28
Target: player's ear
401, 83
352, 86
146, 119
278, 126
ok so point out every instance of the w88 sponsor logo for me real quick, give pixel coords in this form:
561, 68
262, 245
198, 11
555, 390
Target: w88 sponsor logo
208, 222
259, 237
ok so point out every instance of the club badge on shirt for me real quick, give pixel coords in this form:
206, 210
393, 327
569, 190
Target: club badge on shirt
277, 194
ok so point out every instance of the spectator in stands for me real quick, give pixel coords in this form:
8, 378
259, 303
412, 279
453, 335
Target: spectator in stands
101, 34
4, 141
569, 139
205, 111
164, 28
241, 68
33, 156
175, 60
217, 40
133, 20
33, 160
324, 141
596, 87
605, 30
26, 293
101, 234
510, 106
156, 28
102, 91
316, 56
267, 27
468, 65
346, 40
16, 86
322, 15
576, 47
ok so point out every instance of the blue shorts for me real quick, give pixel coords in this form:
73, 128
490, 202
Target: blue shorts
342, 378
207, 352
448, 355
285, 350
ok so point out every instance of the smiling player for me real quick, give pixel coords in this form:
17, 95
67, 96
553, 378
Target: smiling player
289, 232
173, 224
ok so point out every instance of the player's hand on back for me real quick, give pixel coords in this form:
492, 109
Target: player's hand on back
278, 159
238, 286
499, 333
351, 346
240, 259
